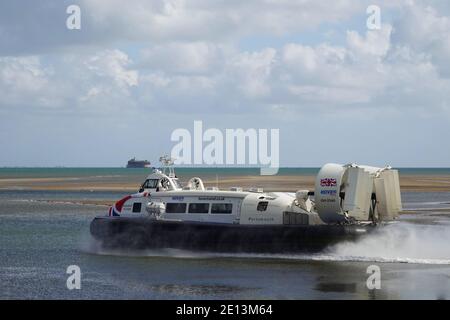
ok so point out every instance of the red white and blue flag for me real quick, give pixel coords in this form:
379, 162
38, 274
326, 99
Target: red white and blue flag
116, 209
328, 182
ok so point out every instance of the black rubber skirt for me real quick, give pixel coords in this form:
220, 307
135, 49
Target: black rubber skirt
142, 233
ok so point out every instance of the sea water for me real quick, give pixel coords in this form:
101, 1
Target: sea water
40, 239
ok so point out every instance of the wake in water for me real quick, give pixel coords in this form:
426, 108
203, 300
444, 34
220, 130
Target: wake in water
400, 242
396, 243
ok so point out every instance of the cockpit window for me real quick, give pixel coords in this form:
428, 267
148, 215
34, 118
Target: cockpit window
150, 184
262, 205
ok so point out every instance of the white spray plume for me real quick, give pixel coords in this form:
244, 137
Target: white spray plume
397, 243
402, 242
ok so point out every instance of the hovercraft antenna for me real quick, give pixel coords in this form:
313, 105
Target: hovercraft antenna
167, 166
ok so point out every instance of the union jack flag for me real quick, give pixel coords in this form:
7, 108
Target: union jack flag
116, 209
328, 182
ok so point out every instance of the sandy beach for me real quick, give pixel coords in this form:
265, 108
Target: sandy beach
413, 183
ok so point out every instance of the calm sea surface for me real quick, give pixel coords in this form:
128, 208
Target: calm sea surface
102, 172
40, 239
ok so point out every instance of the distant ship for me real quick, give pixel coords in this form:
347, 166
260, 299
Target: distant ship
133, 163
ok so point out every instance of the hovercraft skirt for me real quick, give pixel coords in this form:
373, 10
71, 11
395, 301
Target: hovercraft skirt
142, 233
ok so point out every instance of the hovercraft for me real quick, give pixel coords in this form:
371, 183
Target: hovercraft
349, 201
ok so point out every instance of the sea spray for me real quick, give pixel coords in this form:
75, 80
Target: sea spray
396, 243
400, 242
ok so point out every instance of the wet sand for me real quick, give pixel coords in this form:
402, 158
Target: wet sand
413, 183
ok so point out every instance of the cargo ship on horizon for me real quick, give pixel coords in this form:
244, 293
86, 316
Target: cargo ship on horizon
133, 163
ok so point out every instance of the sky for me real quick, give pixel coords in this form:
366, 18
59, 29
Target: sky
138, 70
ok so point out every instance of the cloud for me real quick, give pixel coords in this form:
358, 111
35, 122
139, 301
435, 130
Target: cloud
68, 83
252, 71
42, 27
111, 64
370, 70
375, 43
424, 29
184, 57
23, 78
136, 61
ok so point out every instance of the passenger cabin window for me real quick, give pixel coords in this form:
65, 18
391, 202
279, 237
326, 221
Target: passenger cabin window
176, 208
262, 205
137, 207
221, 208
198, 207
150, 184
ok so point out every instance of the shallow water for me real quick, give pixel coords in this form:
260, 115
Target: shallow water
39, 240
